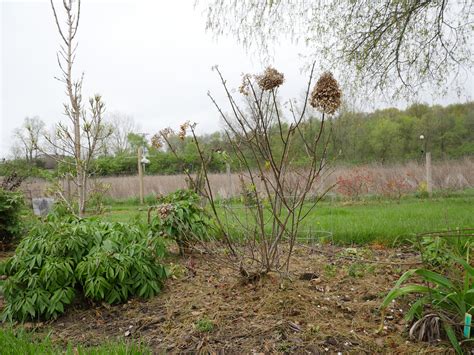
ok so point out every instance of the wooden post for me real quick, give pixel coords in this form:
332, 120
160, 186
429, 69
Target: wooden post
140, 174
429, 182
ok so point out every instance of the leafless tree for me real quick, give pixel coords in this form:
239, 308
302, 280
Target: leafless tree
86, 133
393, 46
16, 151
122, 125
29, 136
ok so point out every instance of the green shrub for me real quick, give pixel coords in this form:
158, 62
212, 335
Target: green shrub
11, 205
41, 273
65, 256
123, 265
24, 169
182, 218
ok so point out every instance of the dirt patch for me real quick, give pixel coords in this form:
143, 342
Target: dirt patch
329, 303
5, 254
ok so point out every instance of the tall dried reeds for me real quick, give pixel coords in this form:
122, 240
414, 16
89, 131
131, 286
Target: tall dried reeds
447, 175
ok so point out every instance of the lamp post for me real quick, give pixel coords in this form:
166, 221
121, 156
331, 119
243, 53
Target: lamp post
140, 173
429, 183
142, 161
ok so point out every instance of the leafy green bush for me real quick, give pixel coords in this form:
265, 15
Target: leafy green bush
66, 256
122, 265
41, 273
182, 218
448, 298
11, 205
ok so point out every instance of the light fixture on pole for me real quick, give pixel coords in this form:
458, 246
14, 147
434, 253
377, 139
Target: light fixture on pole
423, 142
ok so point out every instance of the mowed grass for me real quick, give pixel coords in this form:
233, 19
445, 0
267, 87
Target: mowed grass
362, 222
389, 222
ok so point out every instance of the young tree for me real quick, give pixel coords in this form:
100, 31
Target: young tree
88, 133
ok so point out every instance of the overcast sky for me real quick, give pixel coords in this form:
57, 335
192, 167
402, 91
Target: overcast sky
149, 59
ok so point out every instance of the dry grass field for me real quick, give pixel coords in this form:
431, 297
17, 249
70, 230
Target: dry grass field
367, 179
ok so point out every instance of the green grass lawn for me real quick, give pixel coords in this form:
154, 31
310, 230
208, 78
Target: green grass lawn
373, 220
388, 221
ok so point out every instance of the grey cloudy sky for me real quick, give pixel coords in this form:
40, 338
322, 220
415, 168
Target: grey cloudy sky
149, 59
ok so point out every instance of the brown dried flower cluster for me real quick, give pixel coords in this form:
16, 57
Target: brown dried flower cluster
165, 210
270, 79
156, 141
182, 130
244, 87
326, 95
166, 132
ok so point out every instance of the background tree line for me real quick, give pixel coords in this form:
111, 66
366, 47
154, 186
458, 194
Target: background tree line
392, 135
384, 136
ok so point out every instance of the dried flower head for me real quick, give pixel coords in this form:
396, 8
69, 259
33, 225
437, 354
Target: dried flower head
270, 79
166, 132
164, 210
156, 141
182, 130
326, 95
244, 87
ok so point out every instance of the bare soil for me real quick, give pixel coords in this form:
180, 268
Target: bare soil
328, 303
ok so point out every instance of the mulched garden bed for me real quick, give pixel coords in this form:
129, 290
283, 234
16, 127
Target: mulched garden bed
328, 303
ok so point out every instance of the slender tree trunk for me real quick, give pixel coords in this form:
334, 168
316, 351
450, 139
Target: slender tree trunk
83, 196
76, 116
